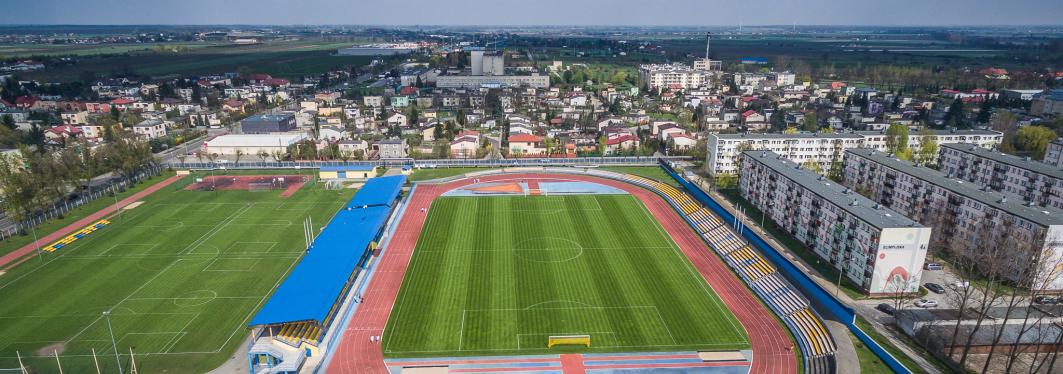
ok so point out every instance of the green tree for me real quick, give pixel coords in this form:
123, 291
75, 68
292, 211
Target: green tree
8, 121
896, 138
778, 121
810, 123
1033, 140
928, 146
954, 117
813, 166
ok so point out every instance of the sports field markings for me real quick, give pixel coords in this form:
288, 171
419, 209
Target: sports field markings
221, 226
256, 248
132, 246
689, 265
247, 268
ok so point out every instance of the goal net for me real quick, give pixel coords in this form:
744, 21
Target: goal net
584, 340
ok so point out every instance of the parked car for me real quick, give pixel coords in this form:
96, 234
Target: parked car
961, 284
933, 266
886, 308
926, 303
934, 287
1050, 300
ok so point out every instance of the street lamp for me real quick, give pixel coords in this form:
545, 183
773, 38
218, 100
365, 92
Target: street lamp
114, 190
117, 360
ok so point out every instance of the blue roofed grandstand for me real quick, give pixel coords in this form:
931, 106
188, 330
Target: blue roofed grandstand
297, 322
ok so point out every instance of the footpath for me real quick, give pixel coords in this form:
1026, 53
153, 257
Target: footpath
12, 259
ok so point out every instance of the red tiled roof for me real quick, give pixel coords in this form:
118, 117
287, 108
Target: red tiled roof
621, 139
749, 113
121, 101
525, 138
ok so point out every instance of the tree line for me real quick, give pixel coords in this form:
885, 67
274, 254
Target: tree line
32, 182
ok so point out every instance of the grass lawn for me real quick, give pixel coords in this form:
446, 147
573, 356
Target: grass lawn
896, 352
652, 172
869, 363
499, 275
16, 242
182, 274
795, 246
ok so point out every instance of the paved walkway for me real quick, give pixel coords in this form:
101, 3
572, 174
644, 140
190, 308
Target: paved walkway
11, 259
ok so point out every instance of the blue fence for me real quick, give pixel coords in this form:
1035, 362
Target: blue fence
441, 163
824, 303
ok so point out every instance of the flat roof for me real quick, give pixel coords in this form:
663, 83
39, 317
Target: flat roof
256, 140
801, 135
865, 209
937, 132
348, 168
1013, 205
1011, 160
268, 117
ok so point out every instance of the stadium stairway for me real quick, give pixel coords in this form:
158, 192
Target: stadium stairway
808, 329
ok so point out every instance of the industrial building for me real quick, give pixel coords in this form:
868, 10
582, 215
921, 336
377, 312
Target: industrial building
1037, 182
875, 247
970, 221
267, 123
252, 144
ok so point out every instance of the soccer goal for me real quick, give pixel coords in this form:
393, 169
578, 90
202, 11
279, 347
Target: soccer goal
260, 186
584, 340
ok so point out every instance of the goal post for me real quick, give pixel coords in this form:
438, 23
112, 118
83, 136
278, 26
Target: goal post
584, 340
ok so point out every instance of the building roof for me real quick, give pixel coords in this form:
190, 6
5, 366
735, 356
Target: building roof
801, 135
1006, 202
1010, 160
864, 209
938, 132
316, 283
379, 191
348, 168
525, 138
256, 140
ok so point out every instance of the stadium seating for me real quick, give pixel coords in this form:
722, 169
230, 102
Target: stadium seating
77, 235
298, 332
812, 335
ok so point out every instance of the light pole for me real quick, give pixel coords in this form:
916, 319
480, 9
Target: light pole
114, 190
117, 360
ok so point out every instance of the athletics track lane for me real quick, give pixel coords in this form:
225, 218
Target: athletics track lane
81, 223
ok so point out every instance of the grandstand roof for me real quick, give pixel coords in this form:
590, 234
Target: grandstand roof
379, 191
316, 283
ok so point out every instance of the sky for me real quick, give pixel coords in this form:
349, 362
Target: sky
536, 12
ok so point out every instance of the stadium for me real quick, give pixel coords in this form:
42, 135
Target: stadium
522, 269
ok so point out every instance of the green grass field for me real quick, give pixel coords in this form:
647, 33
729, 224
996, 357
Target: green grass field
182, 273
499, 275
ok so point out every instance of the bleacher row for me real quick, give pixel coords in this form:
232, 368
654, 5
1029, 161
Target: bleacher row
77, 235
810, 332
294, 333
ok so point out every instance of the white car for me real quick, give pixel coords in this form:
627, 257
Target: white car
926, 303
963, 284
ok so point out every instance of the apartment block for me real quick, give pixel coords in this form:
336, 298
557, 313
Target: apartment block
970, 221
824, 149
1054, 153
873, 246
1035, 181
675, 76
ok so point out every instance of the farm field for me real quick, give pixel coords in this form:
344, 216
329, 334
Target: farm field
499, 275
286, 59
181, 274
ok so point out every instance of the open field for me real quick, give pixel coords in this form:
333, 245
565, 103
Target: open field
499, 275
287, 59
182, 273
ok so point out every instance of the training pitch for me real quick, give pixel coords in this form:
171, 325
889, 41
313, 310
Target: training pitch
182, 273
500, 275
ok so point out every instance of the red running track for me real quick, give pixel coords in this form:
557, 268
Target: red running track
770, 343
81, 223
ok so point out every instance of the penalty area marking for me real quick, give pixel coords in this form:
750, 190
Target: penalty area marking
132, 246
253, 262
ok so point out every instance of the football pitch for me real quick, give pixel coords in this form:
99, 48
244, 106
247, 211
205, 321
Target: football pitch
181, 274
500, 275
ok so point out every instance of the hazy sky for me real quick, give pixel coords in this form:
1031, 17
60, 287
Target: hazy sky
535, 12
